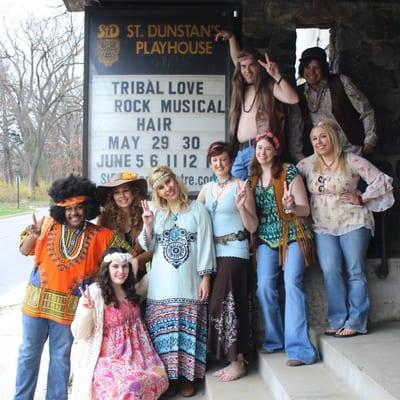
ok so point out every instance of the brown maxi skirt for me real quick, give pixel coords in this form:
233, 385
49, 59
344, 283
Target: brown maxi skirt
229, 325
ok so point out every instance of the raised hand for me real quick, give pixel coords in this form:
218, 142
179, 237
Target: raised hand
224, 35
271, 67
36, 227
86, 300
241, 197
287, 199
147, 215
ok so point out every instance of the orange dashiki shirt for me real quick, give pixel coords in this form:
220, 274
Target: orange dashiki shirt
53, 287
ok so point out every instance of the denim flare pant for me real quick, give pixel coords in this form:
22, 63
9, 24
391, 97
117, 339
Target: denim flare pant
342, 260
292, 335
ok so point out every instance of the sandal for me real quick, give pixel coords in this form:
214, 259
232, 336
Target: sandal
330, 332
345, 333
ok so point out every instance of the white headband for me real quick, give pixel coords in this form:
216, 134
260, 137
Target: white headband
118, 257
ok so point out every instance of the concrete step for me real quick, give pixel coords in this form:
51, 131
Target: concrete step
370, 363
307, 382
249, 387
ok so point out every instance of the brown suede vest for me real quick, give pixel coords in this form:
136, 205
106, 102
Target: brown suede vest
342, 109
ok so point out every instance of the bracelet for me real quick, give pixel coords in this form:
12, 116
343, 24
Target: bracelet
279, 80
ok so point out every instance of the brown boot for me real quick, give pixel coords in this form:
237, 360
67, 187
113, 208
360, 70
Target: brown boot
186, 388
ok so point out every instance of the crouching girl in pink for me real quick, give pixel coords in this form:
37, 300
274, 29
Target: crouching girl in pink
114, 358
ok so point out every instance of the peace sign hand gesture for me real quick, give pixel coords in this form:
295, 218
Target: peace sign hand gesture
271, 67
287, 199
36, 227
86, 299
241, 198
147, 215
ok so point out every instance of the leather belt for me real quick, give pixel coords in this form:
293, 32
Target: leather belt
240, 236
247, 144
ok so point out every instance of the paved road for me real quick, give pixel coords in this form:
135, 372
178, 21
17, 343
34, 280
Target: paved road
15, 269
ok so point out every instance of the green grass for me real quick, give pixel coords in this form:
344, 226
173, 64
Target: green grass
7, 211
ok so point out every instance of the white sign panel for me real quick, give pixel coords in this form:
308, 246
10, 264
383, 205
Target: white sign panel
137, 122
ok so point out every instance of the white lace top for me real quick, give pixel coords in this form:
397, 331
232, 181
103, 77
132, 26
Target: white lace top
333, 216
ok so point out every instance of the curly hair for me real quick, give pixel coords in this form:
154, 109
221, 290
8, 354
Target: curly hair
104, 280
65, 188
277, 164
113, 218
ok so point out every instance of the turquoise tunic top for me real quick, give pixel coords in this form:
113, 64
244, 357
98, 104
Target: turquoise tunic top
270, 228
183, 251
226, 219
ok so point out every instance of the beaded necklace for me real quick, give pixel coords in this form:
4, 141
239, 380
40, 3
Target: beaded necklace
76, 235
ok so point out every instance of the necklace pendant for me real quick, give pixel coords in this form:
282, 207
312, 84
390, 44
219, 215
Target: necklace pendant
214, 206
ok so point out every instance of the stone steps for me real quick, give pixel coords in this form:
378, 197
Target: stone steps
370, 363
364, 367
249, 387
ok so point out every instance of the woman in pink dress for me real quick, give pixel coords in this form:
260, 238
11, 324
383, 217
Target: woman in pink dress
114, 357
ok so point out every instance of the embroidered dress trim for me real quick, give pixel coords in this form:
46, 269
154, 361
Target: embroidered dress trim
179, 335
176, 300
227, 324
46, 303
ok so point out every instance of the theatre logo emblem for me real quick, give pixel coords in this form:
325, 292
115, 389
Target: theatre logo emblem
108, 44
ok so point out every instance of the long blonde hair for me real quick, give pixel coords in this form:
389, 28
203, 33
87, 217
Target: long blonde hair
157, 177
331, 130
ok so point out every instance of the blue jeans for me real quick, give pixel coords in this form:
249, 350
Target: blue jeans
241, 165
35, 332
348, 302
293, 336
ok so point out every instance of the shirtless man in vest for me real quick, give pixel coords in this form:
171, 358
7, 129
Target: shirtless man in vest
258, 91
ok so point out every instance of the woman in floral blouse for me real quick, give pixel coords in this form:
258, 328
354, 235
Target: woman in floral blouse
284, 241
343, 224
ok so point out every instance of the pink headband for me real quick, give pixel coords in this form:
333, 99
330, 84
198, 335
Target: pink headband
270, 135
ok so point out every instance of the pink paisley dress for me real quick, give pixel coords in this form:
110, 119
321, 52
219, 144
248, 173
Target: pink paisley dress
128, 366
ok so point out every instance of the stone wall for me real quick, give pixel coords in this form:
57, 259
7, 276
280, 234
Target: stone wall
365, 45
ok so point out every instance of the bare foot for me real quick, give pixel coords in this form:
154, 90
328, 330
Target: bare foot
234, 371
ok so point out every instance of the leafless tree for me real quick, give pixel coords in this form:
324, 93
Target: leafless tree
41, 82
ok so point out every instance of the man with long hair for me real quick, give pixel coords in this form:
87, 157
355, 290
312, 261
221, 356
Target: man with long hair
258, 91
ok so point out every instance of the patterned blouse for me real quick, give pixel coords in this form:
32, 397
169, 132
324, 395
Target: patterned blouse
270, 228
332, 216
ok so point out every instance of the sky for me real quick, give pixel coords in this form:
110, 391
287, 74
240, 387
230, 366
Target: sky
13, 10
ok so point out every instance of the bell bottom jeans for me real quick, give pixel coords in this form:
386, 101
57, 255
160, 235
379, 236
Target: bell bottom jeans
342, 260
293, 334
35, 332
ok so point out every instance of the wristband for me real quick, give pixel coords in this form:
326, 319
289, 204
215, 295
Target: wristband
279, 80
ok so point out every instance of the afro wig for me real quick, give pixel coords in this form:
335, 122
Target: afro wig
72, 186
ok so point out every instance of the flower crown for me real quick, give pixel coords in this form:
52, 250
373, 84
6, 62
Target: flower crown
118, 257
128, 175
270, 135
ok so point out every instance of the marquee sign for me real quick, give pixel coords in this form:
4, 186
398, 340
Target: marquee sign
157, 90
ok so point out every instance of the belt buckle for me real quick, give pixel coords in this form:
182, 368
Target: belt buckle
240, 236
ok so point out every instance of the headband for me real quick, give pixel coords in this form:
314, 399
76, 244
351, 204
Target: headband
270, 135
118, 257
70, 201
161, 178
